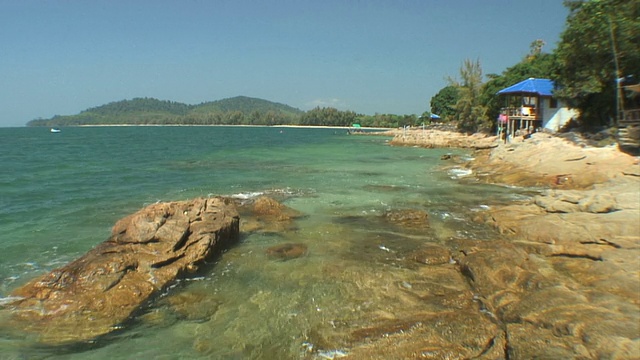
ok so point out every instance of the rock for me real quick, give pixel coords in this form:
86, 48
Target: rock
265, 214
146, 252
408, 218
266, 206
193, 305
441, 335
598, 203
434, 138
431, 255
549, 309
553, 205
287, 251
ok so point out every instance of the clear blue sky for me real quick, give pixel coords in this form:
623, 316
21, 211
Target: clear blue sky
375, 56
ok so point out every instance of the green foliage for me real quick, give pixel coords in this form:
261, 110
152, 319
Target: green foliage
443, 103
470, 112
328, 117
598, 36
239, 110
246, 105
139, 105
532, 66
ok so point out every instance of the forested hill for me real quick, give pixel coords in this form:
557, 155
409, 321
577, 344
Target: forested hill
246, 105
240, 110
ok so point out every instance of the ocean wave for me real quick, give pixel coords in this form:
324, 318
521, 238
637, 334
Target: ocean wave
286, 192
457, 173
9, 299
247, 195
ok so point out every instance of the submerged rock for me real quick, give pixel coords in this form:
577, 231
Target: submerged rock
431, 255
287, 251
265, 214
146, 252
408, 218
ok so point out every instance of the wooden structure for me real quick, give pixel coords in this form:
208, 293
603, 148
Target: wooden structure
530, 106
629, 121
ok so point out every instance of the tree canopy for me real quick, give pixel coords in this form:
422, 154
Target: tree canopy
443, 103
535, 64
470, 112
239, 110
600, 44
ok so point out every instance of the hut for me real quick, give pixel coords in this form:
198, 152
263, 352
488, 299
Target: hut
531, 106
629, 121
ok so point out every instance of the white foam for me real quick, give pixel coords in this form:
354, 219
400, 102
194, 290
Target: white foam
9, 300
458, 173
247, 195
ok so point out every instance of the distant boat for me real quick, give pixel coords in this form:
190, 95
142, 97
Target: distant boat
55, 130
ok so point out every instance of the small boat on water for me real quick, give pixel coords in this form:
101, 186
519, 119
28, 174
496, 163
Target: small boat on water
55, 130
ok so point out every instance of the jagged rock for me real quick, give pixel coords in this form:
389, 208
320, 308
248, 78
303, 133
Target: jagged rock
146, 252
546, 299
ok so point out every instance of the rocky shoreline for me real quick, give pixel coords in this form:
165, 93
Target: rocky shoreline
567, 282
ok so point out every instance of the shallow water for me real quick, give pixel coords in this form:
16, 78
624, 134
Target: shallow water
61, 193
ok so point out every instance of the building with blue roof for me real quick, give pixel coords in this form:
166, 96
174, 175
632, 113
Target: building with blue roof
531, 106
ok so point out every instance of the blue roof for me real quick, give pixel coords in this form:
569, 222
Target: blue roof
542, 87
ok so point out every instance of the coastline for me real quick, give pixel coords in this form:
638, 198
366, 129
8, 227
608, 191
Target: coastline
559, 282
379, 129
570, 267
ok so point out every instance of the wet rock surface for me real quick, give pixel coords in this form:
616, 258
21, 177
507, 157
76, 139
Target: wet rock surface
286, 251
146, 252
408, 218
265, 214
560, 281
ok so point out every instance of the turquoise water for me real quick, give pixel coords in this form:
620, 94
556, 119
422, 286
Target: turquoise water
61, 193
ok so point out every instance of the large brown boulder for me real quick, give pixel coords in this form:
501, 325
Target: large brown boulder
146, 252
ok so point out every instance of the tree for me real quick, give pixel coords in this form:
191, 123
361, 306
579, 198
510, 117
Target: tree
537, 66
470, 113
599, 45
443, 103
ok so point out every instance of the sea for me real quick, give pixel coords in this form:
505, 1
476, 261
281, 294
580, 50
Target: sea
60, 194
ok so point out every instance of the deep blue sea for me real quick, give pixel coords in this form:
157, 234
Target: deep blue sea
60, 193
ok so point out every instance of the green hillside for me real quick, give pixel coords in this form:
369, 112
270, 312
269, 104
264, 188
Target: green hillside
245, 105
240, 110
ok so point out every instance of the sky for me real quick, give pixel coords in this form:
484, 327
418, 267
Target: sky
368, 56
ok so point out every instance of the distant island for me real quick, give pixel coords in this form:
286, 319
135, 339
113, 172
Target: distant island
239, 110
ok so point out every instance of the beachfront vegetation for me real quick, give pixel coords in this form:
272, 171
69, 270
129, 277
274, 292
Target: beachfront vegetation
599, 45
535, 65
470, 112
443, 103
